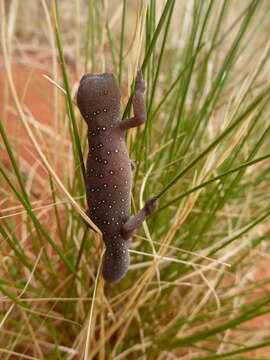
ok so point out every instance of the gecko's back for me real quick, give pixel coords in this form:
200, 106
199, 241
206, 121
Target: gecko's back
108, 177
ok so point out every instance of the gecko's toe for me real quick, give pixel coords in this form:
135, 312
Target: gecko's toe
139, 83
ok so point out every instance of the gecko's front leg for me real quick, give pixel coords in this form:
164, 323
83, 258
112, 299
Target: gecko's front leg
138, 103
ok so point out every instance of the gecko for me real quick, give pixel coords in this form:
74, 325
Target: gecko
109, 168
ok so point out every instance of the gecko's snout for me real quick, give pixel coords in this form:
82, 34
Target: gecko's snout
97, 78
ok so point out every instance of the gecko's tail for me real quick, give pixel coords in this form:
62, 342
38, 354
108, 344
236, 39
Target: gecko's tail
115, 262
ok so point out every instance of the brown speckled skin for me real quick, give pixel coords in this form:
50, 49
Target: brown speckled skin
108, 176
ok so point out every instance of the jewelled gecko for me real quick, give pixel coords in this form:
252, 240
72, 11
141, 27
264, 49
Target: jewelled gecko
109, 169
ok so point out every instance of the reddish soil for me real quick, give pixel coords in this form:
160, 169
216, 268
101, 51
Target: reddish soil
35, 92
31, 88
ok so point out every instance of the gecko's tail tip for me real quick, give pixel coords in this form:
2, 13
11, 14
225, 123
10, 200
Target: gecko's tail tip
115, 265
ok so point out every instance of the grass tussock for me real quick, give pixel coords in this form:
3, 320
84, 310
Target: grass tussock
194, 289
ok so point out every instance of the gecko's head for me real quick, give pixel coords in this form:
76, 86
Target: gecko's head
98, 95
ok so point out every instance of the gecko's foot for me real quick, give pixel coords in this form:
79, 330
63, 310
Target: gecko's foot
133, 164
150, 205
139, 82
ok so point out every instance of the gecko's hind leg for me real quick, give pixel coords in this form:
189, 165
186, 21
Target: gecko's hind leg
136, 220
